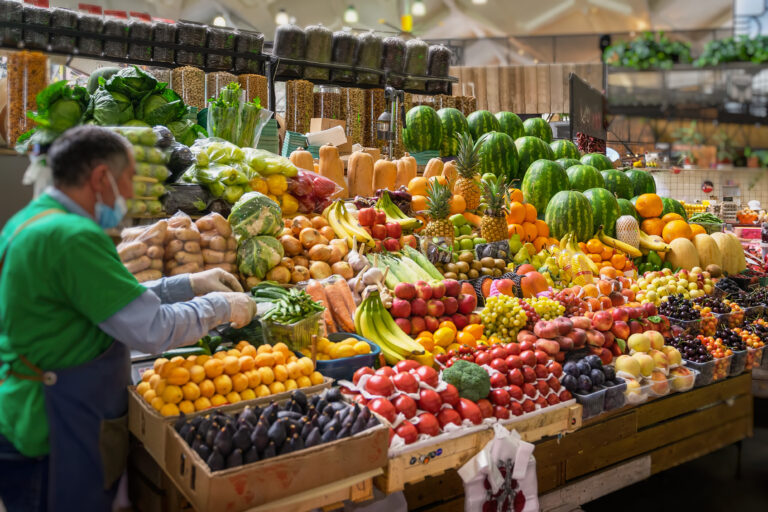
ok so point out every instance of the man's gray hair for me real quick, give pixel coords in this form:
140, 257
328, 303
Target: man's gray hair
77, 151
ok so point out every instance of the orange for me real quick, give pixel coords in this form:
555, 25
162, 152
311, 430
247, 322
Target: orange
178, 376
213, 368
316, 378
652, 226
583, 247
458, 204
670, 217
530, 231
607, 253
233, 397
201, 359
233, 352
281, 373
618, 261
202, 404
207, 389
254, 378
440, 179
231, 365
248, 394
425, 334
295, 370
277, 387
475, 330
427, 343
282, 347
169, 410
516, 229
676, 229
303, 381
465, 338
280, 357
449, 325
267, 375
239, 382
142, 388
540, 242
189, 362
246, 363
220, 355
172, 394
223, 384
307, 366
516, 213
594, 246
542, 228
248, 350
290, 385
418, 203
265, 359
264, 349
147, 375
186, 406
191, 391
444, 336
596, 258
418, 186
649, 205
515, 194
159, 362
697, 229
197, 374
262, 391
217, 400
530, 213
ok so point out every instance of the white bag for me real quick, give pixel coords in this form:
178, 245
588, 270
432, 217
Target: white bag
502, 476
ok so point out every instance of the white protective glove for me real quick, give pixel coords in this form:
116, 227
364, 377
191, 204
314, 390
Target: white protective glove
214, 280
242, 309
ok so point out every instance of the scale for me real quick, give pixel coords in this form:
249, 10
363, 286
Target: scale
386, 124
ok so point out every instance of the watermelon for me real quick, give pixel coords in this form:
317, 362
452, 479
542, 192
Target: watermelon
583, 177
453, 122
498, 156
423, 131
538, 127
543, 180
511, 124
482, 122
565, 149
605, 210
627, 207
569, 211
567, 163
597, 160
673, 206
618, 183
642, 182
530, 149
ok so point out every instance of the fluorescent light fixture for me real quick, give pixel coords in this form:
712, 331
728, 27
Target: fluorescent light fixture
418, 8
219, 21
350, 15
548, 16
479, 2
612, 5
282, 18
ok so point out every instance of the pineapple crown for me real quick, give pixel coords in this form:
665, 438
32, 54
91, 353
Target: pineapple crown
467, 155
438, 200
496, 195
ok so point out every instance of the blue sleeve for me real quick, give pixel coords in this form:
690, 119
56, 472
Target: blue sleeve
149, 326
171, 289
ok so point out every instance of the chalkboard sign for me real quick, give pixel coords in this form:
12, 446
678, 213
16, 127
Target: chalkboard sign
587, 109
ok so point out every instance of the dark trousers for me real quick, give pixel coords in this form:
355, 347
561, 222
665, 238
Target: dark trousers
23, 480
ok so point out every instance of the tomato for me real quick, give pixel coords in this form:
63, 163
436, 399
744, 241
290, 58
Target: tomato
450, 395
515, 378
541, 371
529, 389
515, 392
360, 399
428, 424
387, 371
529, 375
565, 395
554, 384
555, 368
553, 399
516, 409
514, 361
427, 375
542, 402
429, 401
469, 411
446, 416
405, 405
499, 352
365, 370
500, 412
486, 409
483, 358
499, 396
498, 380
383, 408
528, 357
406, 382
407, 431
379, 385
528, 405
406, 365
543, 387
500, 365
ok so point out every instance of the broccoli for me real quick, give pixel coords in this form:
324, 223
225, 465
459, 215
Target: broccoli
470, 379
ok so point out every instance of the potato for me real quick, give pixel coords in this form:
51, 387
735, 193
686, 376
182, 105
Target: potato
180, 221
319, 222
341, 244
301, 261
186, 234
172, 248
287, 263
137, 265
192, 247
280, 274
221, 225
148, 275
319, 270
230, 257
156, 265
187, 268
343, 269
251, 281
310, 236
231, 244
291, 246
205, 223
213, 257
328, 232
214, 241
155, 252
185, 258
132, 250
300, 223
299, 274
320, 252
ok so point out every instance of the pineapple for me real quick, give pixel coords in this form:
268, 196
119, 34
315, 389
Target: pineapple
467, 162
493, 225
438, 210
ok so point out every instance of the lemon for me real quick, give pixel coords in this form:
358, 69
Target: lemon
172, 394
223, 384
202, 404
157, 403
294, 370
142, 388
149, 395
233, 397
281, 373
178, 376
239, 382
316, 378
307, 366
146, 375
361, 348
277, 387
267, 375
207, 389
290, 385
444, 336
261, 391
186, 407
231, 365
169, 410
217, 400
247, 394
323, 345
303, 382
191, 391
254, 378
345, 351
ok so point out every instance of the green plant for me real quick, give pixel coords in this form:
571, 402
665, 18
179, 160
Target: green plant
740, 49
648, 51
689, 136
725, 151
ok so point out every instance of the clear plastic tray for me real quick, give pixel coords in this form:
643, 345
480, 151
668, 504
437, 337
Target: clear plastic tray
705, 372
592, 403
638, 395
658, 391
709, 325
614, 395
754, 358
677, 383
692, 327
738, 362
722, 367
753, 313
297, 335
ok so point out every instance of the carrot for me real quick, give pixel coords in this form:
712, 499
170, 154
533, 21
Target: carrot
337, 303
349, 300
317, 292
472, 218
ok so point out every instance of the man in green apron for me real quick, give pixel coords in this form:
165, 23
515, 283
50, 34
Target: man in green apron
65, 298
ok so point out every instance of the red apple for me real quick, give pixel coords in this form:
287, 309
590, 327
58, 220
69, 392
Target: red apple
446, 416
435, 308
423, 290
451, 305
400, 308
366, 216
392, 244
452, 287
428, 424
381, 217
409, 240
417, 323
459, 320
431, 323
405, 291
620, 329
595, 338
379, 231
467, 303
386, 371
428, 375
650, 309
475, 318
609, 339
635, 327
404, 324
513, 362
418, 306
394, 230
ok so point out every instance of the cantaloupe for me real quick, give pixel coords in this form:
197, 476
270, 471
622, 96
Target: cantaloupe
732, 253
682, 253
709, 252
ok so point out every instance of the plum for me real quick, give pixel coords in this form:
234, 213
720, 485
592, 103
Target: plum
584, 367
609, 372
585, 384
571, 368
594, 361
570, 382
597, 376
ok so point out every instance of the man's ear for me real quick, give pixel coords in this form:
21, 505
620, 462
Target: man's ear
97, 179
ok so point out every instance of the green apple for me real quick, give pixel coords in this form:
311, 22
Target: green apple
478, 241
456, 231
466, 244
489, 177
458, 220
465, 229
456, 246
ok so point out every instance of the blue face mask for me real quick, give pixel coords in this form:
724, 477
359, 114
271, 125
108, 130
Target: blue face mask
109, 217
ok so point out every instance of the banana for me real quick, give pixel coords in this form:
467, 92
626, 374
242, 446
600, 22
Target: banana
367, 329
395, 214
372, 323
618, 244
386, 326
647, 242
351, 226
331, 214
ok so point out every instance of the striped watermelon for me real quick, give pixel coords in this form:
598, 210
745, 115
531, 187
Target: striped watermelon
642, 181
597, 160
568, 162
569, 211
482, 122
453, 123
673, 206
538, 127
423, 131
565, 149
605, 210
626, 207
530, 149
510, 124
498, 156
618, 183
583, 177
543, 180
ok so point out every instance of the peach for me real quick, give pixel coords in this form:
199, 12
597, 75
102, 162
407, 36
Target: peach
662, 363
660, 384
639, 342
628, 365
673, 355
646, 362
681, 378
657, 340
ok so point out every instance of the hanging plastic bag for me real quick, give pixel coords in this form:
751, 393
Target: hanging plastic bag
502, 476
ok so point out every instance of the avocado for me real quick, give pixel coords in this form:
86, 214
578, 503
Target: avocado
242, 438
93, 80
216, 460
252, 455
313, 438
277, 433
235, 458
223, 442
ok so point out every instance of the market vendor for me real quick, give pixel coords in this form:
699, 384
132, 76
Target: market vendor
65, 298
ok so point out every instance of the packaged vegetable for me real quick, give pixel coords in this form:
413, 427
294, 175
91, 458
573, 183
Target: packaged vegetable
141, 250
183, 253
218, 243
258, 255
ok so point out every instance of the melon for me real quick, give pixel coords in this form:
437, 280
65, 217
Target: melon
605, 210
709, 252
482, 122
543, 180
569, 211
627, 208
731, 251
682, 254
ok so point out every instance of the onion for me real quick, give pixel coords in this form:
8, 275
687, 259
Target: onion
343, 269
291, 246
319, 270
299, 223
310, 237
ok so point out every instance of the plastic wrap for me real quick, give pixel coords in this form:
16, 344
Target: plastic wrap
327, 102
368, 56
10, 11
299, 105
193, 199
290, 43
189, 83
314, 192
63, 18
438, 62
252, 43
318, 49
344, 52
220, 38
218, 243
116, 27
416, 63
190, 34
140, 46
352, 107
33, 37
141, 250
89, 24
393, 59
27, 76
163, 33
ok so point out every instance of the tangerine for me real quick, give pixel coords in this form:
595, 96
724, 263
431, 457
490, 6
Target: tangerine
697, 229
515, 194
207, 389
594, 246
649, 205
653, 226
676, 229
670, 217
530, 231
530, 213
516, 213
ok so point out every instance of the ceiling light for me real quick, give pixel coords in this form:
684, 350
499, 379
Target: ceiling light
520, 51
418, 8
479, 2
281, 18
350, 15
219, 21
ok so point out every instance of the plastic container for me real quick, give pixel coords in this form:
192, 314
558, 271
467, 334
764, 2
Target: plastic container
680, 384
63, 18
140, 47
163, 33
327, 102
346, 367
754, 358
393, 59
368, 56
614, 395
638, 394
722, 368
416, 63
738, 362
654, 390
35, 38
752, 313
290, 43
736, 318
592, 403
116, 27
706, 372
191, 35
318, 49
688, 326
220, 38
344, 52
438, 62
10, 11
90, 24
709, 325
249, 42
297, 335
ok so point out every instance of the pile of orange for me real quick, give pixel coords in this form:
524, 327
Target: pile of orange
605, 256
522, 219
448, 337
196, 383
671, 226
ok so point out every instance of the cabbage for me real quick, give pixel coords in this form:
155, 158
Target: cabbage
255, 214
130, 81
110, 108
162, 107
258, 255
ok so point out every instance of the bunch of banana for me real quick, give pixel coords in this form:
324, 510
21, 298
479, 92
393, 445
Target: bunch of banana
630, 251
344, 225
571, 250
374, 322
395, 214
652, 243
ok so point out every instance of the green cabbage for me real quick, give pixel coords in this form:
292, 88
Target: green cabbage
255, 214
110, 108
258, 255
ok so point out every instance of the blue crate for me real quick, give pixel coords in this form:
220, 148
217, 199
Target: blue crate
344, 369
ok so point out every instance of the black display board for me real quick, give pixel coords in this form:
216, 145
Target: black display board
587, 109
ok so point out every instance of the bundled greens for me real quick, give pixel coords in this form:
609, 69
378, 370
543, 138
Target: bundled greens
648, 51
297, 306
237, 121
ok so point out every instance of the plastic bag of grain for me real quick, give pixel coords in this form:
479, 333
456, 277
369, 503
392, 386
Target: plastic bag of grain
218, 243
141, 250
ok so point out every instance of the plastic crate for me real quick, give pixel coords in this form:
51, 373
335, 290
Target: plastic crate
614, 395
297, 335
592, 403
754, 358
423, 157
706, 372
753, 313
344, 369
692, 327
738, 362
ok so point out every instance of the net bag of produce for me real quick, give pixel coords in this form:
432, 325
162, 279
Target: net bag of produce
368, 56
217, 242
183, 254
117, 29
191, 35
90, 25
502, 476
318, 49
344, 52
416, 63
11, 12
290, 43
141, 250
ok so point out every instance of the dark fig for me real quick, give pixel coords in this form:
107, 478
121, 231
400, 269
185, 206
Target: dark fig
294, 406
372, 422
195, 421
358, 426
343, 433
365, 413
205, 424
210, 436
191, 435
321, 404
259, 436
270, 413
248, 416
339, 406
334, 424
277, 433
328, 436
252, 455
242, 438
322, 421
223, 442
300, 398
180, 422
269, 451
216, 460
333, 395
203, 451
314, 400
289, 414
306, 429
184, 431
235, 458
313, 438
297, 443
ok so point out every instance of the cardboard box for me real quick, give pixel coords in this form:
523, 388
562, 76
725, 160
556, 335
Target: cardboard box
318, 124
